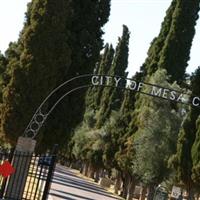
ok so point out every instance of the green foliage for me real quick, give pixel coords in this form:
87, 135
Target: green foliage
155, 140
171, 49
115, 128
154, 53
104, 68
96, 97
89, 118
176, 33
182, 160
117, 152
88, 145
111, 96
196, 155
93, 97
176, 50
60, 39
195, 82
30, 81
86, 22
140, 134
3, 63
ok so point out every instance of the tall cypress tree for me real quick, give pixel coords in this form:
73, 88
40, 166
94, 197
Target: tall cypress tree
33, 75
121, 131
176, 50
196, 145
119, 65
164, 49
93, 97
104, 69
3, 63
182, 160
85, 42
117, 151
117, 131
60, 39
171, 49
151, 63
6, 61
195, 155
155, 139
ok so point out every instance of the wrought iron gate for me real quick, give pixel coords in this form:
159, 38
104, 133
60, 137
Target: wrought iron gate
38, 177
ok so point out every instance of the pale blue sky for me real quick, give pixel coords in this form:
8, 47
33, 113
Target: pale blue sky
143, 17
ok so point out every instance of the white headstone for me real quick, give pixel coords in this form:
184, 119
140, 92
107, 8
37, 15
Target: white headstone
176, 191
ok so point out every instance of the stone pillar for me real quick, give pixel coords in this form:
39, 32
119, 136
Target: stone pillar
25, 145
21, 162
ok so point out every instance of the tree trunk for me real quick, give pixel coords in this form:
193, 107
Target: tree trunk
126, 181
117, 182
131, 189
71, 165
109, 173
85, 171
143, 193
151, 191
190, 192
190, 195
82, 168
91, 171
101, 173
97, 172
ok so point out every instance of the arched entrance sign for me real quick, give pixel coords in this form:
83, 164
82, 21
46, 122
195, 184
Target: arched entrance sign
93, 80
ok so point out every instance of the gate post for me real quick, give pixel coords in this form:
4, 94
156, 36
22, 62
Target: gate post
21, 162
50, 173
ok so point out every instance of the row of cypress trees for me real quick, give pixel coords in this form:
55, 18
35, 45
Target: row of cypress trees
143, 139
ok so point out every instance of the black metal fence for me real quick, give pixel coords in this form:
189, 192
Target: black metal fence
32, 177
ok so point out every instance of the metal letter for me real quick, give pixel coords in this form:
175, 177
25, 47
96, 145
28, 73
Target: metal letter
132, 85
156, 92
95, 80
193, 101
139, 86
117, 81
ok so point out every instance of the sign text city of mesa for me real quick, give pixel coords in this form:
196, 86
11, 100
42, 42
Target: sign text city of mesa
153, 90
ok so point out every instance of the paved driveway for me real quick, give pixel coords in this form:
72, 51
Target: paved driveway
67, 185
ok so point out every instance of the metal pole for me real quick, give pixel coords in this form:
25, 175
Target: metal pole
50, 173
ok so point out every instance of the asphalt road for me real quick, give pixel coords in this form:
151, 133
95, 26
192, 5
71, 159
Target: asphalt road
67, 185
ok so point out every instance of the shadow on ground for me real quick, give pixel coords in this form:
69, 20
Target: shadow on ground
67, 185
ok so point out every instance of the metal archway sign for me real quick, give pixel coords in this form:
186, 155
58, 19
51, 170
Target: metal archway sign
93, 80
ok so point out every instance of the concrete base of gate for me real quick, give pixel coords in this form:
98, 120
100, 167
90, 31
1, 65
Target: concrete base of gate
26, 145
21, 162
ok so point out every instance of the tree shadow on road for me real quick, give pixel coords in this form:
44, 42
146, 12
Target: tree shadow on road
69, 179
70, 194
80, 182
